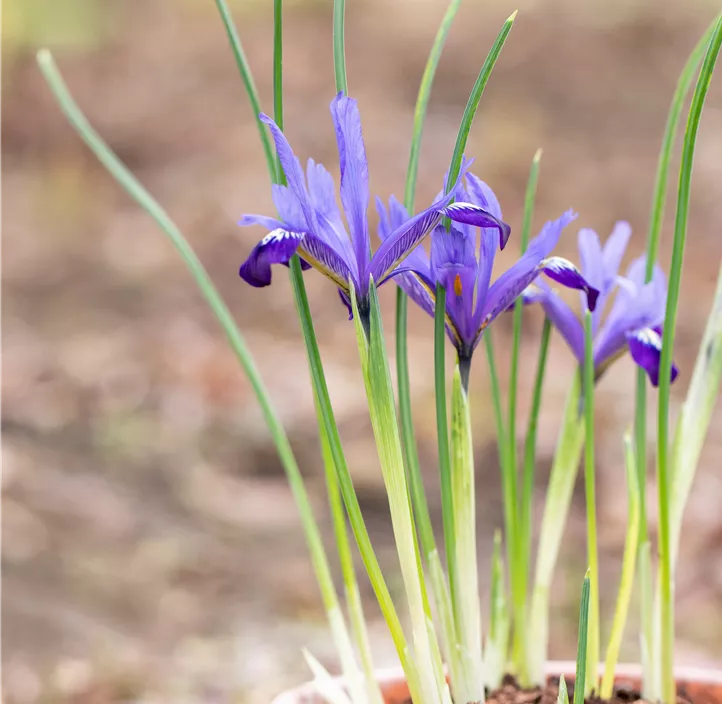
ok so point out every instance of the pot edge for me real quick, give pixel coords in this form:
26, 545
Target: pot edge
388, 675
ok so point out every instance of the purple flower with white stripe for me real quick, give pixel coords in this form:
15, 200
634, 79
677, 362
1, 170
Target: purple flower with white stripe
634, 321
461, 261
309, 221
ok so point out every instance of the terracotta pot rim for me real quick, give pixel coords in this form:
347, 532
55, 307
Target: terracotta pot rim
388, 675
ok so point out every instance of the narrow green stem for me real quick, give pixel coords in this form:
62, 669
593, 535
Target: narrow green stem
348, 492
556, 509
626, 582
670, 131
519, 571
442, 433
648, 643
422, 101
464, 501
697, 412
591, 501
411, 456
236, 340
439, 585
666, 576
508, 487
353, 600
497, 641
369, 688
582, 642
524, 665
640, 444
247, 78
527, 485
473, 103
382, 410
278, 77
339, 45
653, 236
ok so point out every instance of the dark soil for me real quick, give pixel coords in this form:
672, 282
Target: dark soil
625, 692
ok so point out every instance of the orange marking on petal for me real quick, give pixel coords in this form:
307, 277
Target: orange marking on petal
457, 285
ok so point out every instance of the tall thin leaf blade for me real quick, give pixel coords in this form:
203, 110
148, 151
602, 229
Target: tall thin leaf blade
582, 642
664, 475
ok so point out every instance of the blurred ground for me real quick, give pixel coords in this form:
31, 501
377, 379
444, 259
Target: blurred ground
152, 550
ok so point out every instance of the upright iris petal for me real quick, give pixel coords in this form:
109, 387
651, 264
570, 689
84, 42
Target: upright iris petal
634, 321
310, 224
462, 260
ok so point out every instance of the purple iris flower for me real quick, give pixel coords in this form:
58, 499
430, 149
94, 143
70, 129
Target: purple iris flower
635, 318
461, 261
309, 221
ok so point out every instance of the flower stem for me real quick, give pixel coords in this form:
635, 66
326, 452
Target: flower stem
527, 485
382, 410
591, 681
653, 236
650, 685
439, 586
556, 509
697, 411
666, 575
508, 480
464, 501
370, 689
629, 560
247, 78
422, 101
474, 98
423, 519
354, 606
339, 45
278, 78
527, 499
348, 492
497, 641
442, 433
582, 642
518, 572
236, 340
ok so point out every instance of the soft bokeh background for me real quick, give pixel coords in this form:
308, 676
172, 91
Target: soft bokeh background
152, 550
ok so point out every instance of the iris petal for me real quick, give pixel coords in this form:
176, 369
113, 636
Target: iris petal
453, 264
326, 260
564, 272
322, 191
264, 220
548, 238
614, 249
480, 193
476, 216
563, 318
346, 300
645, 346
288, 207
354, 173
277, 247
292, 168
591, 257
396, 247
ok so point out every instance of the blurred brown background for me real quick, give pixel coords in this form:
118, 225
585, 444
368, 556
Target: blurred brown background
151, 550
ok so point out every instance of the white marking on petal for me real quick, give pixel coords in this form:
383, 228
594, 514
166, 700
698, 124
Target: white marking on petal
649, 337
461, 207
279, 235
559, 265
